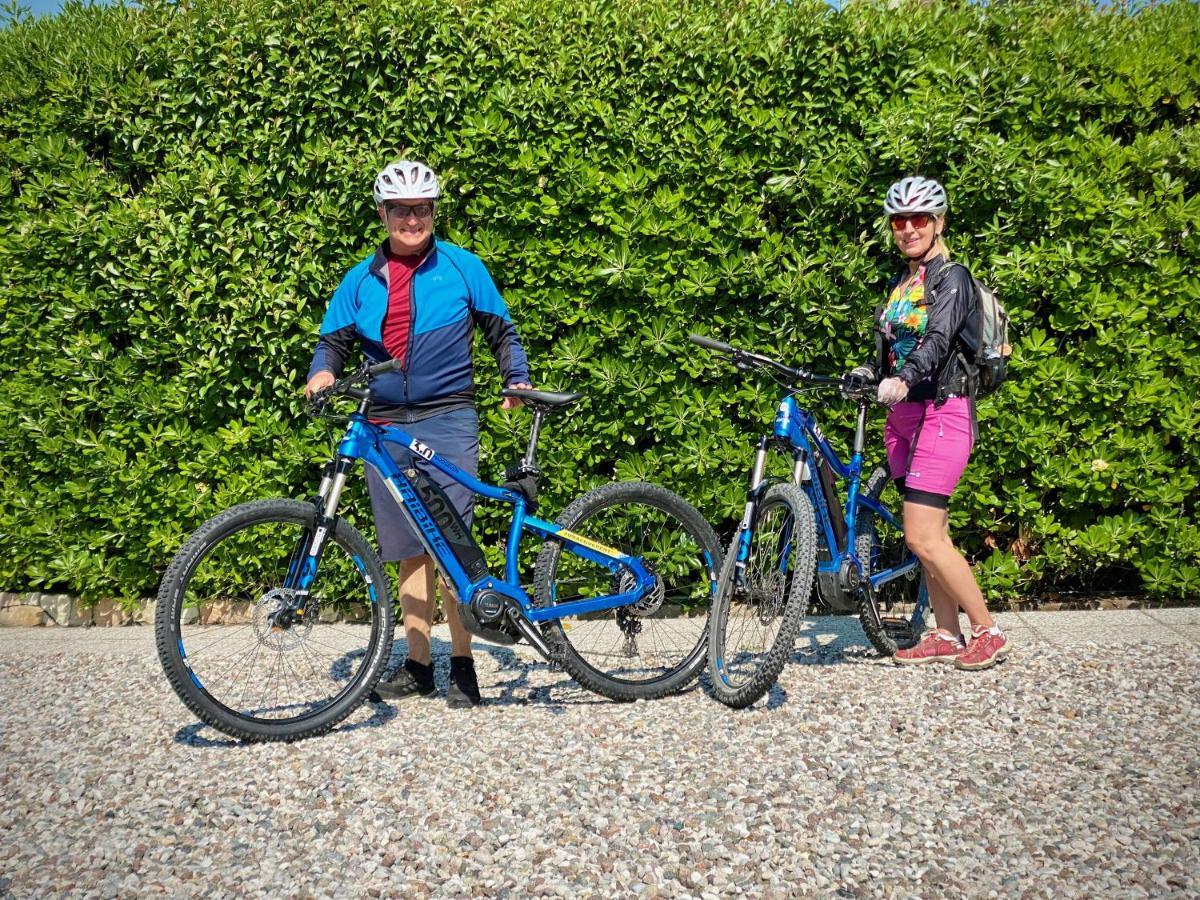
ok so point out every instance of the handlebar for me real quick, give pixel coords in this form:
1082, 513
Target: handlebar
348, 386
388, 366
746, 359
709, 343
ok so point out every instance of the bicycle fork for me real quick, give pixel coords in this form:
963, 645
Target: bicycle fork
302, 567
741, 547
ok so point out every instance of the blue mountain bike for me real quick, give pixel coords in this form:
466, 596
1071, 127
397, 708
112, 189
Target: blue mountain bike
799, 529
274, 621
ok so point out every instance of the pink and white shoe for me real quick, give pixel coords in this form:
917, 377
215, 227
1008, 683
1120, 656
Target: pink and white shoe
933, 647
985, 649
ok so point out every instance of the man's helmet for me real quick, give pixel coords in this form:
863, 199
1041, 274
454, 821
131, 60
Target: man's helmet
406, 180
916, 195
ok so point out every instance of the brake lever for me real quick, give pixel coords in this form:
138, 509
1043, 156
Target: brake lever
316, 404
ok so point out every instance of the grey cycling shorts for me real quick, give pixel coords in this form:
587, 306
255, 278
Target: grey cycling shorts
453, 435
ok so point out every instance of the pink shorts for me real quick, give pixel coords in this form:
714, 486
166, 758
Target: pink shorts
928, 447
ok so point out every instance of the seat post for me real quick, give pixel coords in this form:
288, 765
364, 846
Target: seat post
530, 459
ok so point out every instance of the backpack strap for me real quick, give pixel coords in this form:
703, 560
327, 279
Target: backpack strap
931, 289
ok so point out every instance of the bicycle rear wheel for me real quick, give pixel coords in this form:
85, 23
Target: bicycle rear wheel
656, 646
250, 655
894, 615
756, 615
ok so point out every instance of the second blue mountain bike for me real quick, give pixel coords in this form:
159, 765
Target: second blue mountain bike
800, 529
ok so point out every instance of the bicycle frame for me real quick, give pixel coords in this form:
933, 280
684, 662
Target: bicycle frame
364, 441
798, 430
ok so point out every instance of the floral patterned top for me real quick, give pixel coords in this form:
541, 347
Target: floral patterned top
904, 319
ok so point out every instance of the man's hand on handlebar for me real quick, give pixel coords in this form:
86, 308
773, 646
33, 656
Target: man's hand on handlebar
322, 386
318, 382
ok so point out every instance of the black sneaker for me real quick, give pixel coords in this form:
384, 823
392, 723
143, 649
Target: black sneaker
464, 687
411, 680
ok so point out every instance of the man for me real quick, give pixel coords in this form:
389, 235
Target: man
418, 300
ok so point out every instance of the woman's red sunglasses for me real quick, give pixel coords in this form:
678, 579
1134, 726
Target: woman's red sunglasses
918, 220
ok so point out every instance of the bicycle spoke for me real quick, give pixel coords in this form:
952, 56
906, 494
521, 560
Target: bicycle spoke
652, 638
282, 658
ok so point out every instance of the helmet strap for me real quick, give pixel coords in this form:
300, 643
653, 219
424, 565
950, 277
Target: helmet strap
933, 242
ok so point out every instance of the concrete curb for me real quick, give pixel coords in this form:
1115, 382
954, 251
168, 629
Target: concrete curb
33, 609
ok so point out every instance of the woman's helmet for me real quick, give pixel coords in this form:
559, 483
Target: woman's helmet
406, 180
916, 195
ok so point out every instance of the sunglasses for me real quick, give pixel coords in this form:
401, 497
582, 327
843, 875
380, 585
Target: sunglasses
403, 210
917, 220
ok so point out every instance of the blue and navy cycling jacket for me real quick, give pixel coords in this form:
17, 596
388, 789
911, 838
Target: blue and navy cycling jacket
451, 293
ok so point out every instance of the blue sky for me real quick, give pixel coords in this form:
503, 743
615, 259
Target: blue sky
41, 7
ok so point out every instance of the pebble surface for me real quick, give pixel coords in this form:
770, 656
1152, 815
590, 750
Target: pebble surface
1067, 771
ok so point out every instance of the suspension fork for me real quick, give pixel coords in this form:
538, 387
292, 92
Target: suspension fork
742, 550
302, 567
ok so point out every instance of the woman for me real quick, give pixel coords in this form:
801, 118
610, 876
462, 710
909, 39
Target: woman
923, 332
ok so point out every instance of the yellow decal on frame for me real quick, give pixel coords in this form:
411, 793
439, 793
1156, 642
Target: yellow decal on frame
587, 542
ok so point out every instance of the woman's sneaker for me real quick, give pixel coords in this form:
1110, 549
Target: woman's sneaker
933, 647
987, 647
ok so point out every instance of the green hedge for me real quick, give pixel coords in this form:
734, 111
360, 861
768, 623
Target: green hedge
181, 188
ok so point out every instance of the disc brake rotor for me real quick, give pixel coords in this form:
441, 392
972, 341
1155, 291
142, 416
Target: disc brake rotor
768, 597
282, 637
651, 601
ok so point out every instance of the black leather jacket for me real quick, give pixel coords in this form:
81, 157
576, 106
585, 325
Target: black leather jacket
938, 367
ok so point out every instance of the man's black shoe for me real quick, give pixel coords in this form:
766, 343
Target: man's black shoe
464, 687
411, 680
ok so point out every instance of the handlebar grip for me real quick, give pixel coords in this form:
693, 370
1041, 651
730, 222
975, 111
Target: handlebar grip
822, 379
388, 366
327, 395
709, 343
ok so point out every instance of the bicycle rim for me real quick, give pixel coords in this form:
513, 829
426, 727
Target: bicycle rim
754, 614
247, 659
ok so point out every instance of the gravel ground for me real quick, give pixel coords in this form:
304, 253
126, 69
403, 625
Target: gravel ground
1071, 770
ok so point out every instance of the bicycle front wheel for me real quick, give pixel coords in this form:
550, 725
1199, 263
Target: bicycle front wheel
249, 654
758, 611
653, 647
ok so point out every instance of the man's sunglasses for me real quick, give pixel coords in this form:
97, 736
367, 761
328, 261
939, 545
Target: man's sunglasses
918, 220
403, 210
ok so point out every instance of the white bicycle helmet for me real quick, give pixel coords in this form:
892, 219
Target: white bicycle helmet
406, 180
916, 195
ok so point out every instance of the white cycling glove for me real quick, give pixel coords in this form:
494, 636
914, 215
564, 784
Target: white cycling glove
892, 390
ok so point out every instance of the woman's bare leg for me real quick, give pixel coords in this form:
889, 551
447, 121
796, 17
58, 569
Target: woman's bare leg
927, 536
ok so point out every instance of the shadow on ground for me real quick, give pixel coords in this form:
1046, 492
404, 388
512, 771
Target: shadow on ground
515, 678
